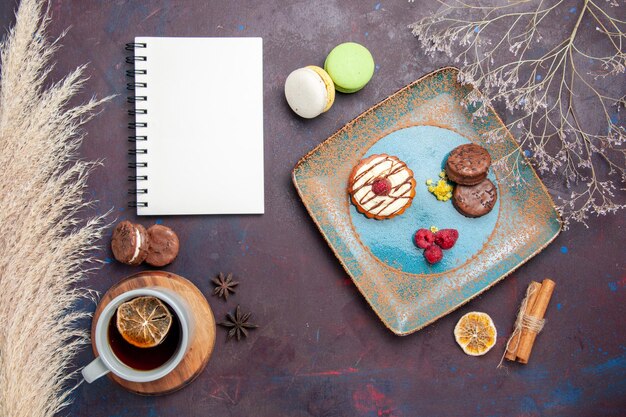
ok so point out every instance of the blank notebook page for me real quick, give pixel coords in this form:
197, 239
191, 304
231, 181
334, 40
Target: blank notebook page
204, 125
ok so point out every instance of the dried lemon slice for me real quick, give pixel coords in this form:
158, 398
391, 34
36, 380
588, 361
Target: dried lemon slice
475, 333
143, 321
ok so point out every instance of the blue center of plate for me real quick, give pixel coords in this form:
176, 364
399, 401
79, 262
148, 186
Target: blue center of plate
424, 149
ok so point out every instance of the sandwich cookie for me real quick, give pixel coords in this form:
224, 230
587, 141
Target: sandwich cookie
164, 245
309, 91
468, 164
475, 200
351, 67
130, 243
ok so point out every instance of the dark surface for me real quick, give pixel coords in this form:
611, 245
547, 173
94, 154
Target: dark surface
320, 350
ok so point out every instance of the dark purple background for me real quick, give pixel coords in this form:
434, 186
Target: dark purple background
320, 350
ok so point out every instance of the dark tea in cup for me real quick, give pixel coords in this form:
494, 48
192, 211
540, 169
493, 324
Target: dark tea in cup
154, 335
145, 359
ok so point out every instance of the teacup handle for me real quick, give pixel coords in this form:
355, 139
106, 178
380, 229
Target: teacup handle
94, 370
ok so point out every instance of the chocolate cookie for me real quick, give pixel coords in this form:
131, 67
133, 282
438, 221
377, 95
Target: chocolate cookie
468, 164
130, 243
475, 200
164, 245
381, 186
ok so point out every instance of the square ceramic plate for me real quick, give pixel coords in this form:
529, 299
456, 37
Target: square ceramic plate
421, 124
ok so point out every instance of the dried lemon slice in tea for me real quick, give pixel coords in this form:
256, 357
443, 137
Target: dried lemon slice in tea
475, 333
143, 321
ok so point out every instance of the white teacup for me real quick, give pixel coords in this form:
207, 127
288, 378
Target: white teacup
109, 362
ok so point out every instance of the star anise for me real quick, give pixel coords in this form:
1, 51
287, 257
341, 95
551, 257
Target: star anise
224, 285
238, 324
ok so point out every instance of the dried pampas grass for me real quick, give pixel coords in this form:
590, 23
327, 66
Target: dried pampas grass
44, 246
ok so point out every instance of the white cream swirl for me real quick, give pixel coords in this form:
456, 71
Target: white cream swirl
137, 246
398, 174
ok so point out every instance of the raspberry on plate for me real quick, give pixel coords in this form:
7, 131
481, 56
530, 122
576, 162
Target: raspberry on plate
433, 254
424, 238
446, 238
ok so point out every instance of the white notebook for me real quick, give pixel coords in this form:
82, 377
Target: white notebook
198, 125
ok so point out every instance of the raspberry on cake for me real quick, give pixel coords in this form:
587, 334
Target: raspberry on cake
381, 186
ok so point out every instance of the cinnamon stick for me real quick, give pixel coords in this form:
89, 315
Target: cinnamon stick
527, 338
533, 290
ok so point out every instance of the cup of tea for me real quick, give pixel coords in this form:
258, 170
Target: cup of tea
140, 364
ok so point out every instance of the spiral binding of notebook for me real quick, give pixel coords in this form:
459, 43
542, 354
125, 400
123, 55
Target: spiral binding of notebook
136, 98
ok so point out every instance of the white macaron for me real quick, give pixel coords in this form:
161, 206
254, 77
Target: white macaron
309, 91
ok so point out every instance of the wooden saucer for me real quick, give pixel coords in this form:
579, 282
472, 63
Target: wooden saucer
200, 347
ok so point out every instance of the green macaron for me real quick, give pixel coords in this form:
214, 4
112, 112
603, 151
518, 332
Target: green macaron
350, 65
